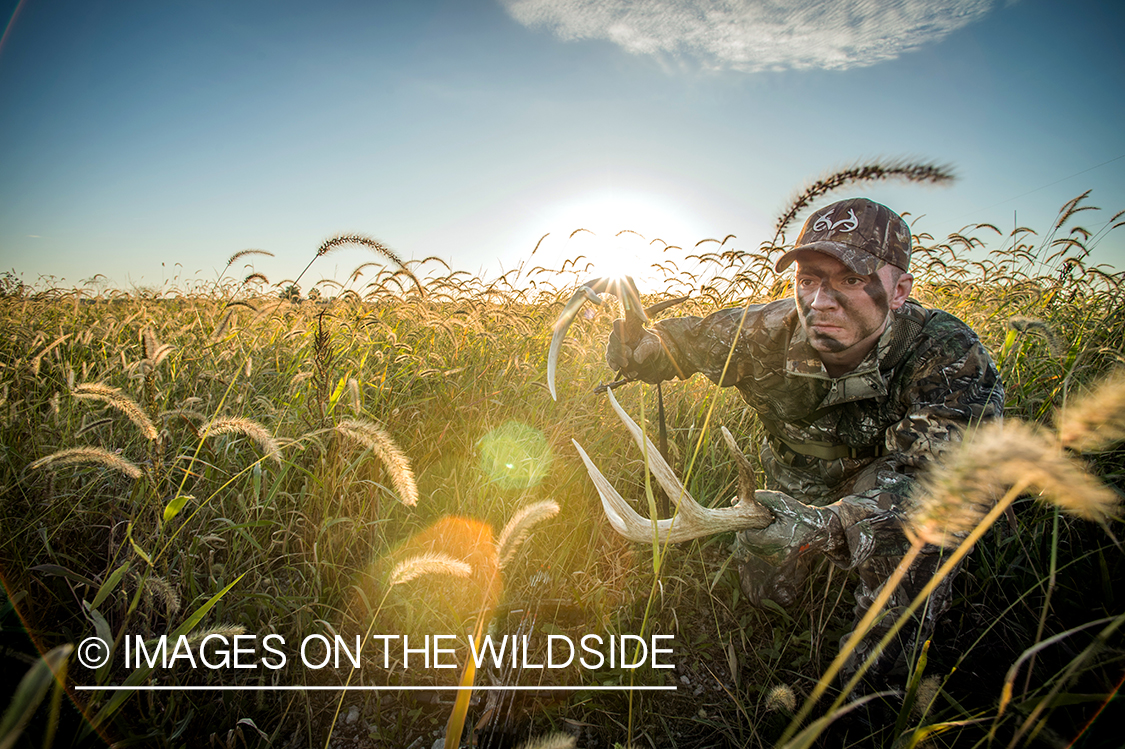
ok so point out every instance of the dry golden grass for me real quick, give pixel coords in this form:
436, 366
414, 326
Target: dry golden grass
117, 399
516, 531
428, 563
247, 428
1096, 420
441, 368
372, 436
97, 455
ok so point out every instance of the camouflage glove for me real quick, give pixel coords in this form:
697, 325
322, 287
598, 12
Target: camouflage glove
629, 357
797, 529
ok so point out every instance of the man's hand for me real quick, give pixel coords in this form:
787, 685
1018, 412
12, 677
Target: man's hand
797, 528
625, 353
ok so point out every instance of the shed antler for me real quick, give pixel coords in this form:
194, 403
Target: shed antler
622, 287
691, 519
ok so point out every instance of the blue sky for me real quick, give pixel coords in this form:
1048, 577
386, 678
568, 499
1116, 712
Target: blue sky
138, 135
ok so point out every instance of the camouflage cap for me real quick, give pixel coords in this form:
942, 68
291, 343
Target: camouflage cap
860, 233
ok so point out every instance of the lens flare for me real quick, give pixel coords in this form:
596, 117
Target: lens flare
514, 456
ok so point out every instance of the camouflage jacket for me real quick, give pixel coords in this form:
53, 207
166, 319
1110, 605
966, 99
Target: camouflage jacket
857, 442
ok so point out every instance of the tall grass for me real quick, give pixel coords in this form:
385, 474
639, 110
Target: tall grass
265, 459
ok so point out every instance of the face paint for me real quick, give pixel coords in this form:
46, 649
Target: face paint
841, 299
878, 293
824, 289
842, 312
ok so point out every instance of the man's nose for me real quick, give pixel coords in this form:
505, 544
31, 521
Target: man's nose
823, 298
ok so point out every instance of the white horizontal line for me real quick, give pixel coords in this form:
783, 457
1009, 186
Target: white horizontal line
375, 689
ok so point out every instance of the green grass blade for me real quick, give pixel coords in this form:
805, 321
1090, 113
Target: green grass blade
110, 584
912, 690
140, 675
30, 692
172, 509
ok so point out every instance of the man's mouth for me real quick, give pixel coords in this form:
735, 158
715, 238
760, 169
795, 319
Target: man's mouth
824, 326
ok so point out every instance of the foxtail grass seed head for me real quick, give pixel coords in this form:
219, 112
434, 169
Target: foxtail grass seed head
187, 414
160, 589
161, 354
155, 352
954, 497
551, 741
428, 563
248, 428
353, 395
358, 272
1096, 420
244, 253
149, 342
781, 698
370, 435
519, 527
1033, 326
92, 425
226, 631
374, 245
223, 326
117, 399
37, 361
928, 690
934, 174
98, 455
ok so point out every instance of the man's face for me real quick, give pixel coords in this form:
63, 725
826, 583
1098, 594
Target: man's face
842, 312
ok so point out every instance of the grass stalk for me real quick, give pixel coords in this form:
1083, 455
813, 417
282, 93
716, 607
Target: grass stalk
892, 582
1052, 576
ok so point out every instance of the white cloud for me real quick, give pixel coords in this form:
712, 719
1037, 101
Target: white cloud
757, 35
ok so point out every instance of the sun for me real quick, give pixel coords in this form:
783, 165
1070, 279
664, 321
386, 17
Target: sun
618, 232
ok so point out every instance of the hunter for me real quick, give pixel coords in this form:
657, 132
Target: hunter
858, 387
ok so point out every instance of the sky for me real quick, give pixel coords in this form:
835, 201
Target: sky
148, 142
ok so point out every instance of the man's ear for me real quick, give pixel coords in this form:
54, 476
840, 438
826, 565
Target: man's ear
901, 291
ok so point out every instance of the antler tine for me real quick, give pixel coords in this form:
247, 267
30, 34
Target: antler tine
681, 527
621, 516
623, 287
588, 291
663, 473
746, 483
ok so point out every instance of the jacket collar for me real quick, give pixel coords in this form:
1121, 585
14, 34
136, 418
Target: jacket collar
865, 381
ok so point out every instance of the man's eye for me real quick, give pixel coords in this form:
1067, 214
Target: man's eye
855, 281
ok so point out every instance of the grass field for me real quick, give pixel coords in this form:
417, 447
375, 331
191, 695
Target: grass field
245, 458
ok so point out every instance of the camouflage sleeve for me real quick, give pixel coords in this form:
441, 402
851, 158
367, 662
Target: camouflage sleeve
954, 386
703, 344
